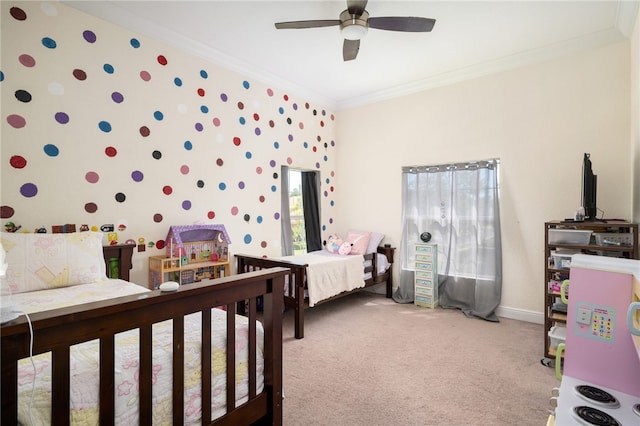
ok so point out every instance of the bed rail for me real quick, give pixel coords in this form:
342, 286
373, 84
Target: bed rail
295, 281
57, 330
389, 253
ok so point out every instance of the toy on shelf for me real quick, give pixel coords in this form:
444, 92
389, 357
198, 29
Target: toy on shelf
11, 227
63, 229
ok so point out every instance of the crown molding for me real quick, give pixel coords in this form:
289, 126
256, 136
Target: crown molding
517, 60
627, 15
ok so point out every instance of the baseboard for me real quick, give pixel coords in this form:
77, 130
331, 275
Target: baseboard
501, 311
520, 314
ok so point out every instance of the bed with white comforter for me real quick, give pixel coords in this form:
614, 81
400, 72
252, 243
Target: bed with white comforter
322, 275
330, 274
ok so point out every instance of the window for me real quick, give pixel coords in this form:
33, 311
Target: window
300, 215
458, 205
296, 212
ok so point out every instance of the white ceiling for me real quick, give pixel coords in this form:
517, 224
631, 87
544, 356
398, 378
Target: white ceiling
469, 39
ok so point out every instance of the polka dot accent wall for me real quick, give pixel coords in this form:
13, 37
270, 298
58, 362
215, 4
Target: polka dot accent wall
104, 126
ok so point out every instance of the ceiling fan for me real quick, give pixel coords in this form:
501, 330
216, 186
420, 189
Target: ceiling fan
355, 21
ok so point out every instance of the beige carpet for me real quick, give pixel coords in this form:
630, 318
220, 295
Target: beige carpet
366, 360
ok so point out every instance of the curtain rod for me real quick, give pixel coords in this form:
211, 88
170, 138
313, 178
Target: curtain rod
469, 165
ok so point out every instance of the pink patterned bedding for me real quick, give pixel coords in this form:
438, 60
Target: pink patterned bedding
84, 363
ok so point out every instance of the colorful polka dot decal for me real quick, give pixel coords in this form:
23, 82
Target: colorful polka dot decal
151, 136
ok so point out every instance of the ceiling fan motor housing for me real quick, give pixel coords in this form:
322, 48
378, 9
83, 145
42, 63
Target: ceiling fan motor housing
354, 27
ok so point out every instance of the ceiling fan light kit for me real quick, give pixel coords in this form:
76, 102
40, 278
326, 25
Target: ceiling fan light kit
354, 32
354, 24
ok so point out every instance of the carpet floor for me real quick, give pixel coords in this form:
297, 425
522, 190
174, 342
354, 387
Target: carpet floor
366, 360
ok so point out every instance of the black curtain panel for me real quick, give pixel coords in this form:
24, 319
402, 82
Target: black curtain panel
311, 210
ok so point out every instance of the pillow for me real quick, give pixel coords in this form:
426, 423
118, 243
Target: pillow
374, 242
359, 241
44, 261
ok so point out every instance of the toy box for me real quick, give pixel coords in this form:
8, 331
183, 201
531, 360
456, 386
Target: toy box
557, 335
569, 236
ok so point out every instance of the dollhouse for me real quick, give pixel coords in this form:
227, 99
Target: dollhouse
194, 253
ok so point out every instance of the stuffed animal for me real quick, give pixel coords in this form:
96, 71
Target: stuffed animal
345, 248
335, 244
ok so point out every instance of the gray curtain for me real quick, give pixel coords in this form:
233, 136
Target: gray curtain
458, 205
285, 217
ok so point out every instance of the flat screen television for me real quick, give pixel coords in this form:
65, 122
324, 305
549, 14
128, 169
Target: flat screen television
589, 189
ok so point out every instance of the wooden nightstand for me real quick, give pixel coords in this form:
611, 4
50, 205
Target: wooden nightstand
120, 267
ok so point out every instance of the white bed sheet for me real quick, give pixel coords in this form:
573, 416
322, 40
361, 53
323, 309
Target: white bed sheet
84, 363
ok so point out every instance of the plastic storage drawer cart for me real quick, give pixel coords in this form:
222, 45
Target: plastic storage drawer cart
426, 275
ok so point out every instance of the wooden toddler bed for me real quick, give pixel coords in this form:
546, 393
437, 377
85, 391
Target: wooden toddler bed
296, 288
57, 342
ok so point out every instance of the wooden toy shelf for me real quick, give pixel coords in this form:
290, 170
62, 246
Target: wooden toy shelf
162, 269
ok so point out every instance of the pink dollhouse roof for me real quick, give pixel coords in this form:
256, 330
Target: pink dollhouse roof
189, 233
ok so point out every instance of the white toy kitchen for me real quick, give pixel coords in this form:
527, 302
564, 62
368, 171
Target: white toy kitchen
600, 382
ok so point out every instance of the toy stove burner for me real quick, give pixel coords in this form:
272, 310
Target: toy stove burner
597, 396
636, 410
593, 416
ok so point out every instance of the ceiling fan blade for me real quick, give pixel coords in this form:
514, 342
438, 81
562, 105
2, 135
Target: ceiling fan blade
350, 49
308, 24
356, 7
402, 23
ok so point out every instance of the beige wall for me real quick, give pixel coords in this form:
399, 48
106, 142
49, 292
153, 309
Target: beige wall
538, 120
